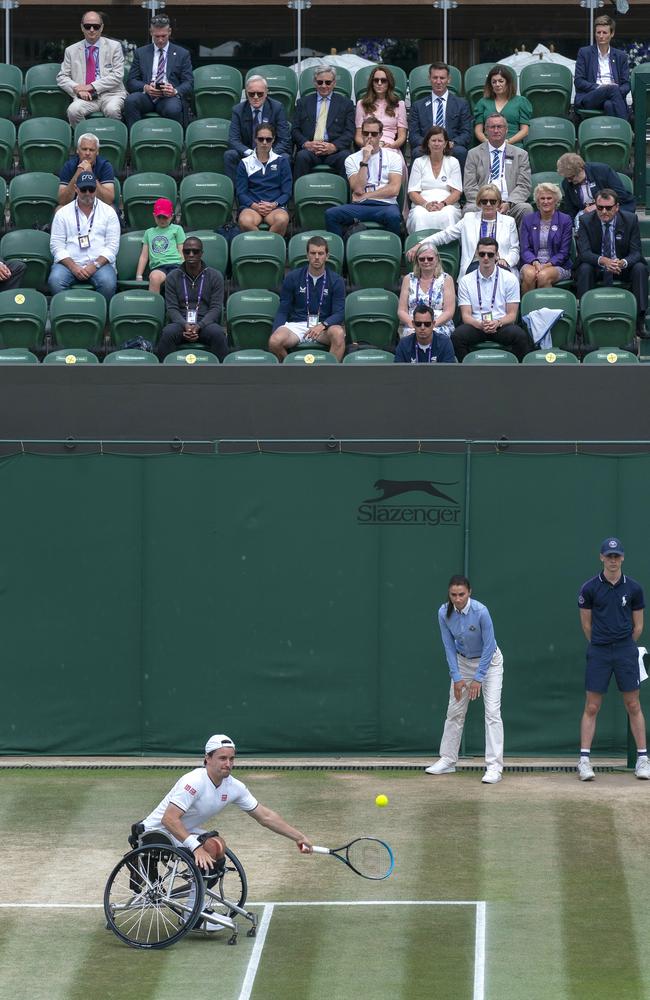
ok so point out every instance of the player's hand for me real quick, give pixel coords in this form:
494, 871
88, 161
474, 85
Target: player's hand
304, 846
459, 687
203, 859
474, 690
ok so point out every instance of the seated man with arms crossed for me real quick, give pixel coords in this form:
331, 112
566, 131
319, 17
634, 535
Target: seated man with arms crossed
312, 305
489, 302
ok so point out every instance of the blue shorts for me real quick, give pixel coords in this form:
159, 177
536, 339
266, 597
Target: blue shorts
164, 267
618, 658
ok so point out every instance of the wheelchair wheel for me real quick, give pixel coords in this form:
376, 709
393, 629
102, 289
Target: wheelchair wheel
230, 886
153, 896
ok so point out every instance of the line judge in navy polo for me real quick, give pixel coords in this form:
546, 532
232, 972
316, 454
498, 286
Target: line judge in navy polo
611, 615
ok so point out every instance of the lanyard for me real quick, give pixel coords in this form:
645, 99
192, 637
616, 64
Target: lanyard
90, 220
429, 349
322, 292
494, 290
381, 159
186, 293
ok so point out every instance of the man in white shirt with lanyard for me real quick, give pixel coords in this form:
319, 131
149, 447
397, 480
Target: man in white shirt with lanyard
84, 241
375, 176
489, 302
498, 162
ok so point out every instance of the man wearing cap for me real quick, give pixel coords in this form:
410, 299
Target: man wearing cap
160, 78
92, 72
194, 300
84, 241
203, 793
611, 615
87, 160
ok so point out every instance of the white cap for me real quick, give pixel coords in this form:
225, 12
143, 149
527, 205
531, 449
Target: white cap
220, 740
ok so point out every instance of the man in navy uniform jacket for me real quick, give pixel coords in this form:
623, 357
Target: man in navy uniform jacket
441, 107
582, 182
257, 109
160, 78
323, 126
602, 74
425, 346
312, 306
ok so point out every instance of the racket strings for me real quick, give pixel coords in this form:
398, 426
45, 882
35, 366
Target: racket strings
369, 857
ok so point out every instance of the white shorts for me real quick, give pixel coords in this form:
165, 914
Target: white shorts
300, 330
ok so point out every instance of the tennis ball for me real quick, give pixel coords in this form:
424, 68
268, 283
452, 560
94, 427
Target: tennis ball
381, 800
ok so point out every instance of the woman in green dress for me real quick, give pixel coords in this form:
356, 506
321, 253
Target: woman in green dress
500, 95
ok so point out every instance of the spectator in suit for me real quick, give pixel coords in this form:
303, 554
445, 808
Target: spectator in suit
608, 249
582, 181
160, 78
545, 239
323, 126
444, 109
498, 162
602, 74
92, 72
257, 109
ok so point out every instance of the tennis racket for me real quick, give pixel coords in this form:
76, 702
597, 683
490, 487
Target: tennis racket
366, 856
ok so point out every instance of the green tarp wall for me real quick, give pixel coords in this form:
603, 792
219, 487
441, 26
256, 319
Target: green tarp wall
290, 599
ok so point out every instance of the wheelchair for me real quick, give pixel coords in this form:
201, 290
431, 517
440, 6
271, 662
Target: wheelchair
157, 893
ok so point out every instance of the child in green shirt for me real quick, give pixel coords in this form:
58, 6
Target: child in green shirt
162, 246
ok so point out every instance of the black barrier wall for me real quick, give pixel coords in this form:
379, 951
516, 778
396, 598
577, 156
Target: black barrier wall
290, 599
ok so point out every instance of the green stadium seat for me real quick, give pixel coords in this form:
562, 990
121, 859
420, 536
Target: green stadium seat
17, 356
258, 259
113, 138
3, 199
371, 317
644, 224
362, 75
314, 193
626, 181
32, 246
373, 258
23, 313
282, 82
449, 253
606, 140
610, 356
44, 96
548, 87
249, 315
474, 82
550, 357
490, 357
137, 313
33, 198
44, 144
206, 140
130, 356
140, 192
608, 317
420, 84
297, 251
7, 144
68, 356
563, 333
206, 200
78, 318
216, 90
126, 262
547, 140
250, 357
369, 357
310, 357
343, 84
11, 89
215, 248
156, 144
191, 356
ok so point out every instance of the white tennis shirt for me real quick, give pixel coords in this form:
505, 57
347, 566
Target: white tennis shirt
200, 800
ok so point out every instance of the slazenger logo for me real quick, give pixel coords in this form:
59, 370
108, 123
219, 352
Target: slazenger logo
442, 509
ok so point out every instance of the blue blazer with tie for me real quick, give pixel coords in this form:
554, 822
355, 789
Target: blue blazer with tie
459, 124
586, 72
627, 239
598, 176
240, 136
339, 126
178, 70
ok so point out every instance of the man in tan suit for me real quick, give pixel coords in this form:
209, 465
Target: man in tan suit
92, 72
498, 162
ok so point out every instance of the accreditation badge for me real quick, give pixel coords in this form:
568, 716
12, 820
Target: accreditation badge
84, 242
192, 316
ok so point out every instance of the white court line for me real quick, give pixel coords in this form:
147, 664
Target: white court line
479, 953
256, 954
324, 902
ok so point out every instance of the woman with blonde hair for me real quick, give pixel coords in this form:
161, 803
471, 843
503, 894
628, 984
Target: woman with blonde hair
427, 285
545, 239
500, 97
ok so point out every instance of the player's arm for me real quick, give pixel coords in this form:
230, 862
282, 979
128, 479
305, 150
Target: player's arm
272, 821
172, 820
637, 624
585, 621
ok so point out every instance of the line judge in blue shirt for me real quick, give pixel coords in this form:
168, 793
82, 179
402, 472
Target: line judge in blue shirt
476, 666
611, 615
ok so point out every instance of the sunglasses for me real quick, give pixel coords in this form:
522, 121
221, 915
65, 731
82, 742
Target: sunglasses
422, 322
426, 260
488, 201
263, 138
605, 208
364, 132
191, 251
487, 253
86, 190
324, 83
379, 79
255, 93
91, 27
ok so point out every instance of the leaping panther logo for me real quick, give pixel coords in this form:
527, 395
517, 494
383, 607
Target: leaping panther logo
394, 487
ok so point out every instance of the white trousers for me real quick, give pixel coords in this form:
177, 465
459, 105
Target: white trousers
110, 106
457, 710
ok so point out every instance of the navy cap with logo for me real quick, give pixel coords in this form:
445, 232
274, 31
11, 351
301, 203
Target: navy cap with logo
86, 180
612, 547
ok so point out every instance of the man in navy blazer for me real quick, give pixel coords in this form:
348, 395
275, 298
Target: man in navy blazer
582, 182
323, 126
609, 249
441, 107
257, 109
602, 74
160, 78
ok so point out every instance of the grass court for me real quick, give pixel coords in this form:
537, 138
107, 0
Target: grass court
533, 889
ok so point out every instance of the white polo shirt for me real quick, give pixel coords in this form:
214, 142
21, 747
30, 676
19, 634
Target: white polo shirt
380, 165
507, 290
201, 800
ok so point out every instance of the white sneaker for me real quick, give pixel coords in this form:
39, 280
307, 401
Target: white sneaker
441, 766
585, 770
642, 769
491, 776
210, 927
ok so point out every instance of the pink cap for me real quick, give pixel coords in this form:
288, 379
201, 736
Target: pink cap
163, 207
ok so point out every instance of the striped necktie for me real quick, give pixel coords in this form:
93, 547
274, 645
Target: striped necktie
160, 72
440, 115
494, 169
